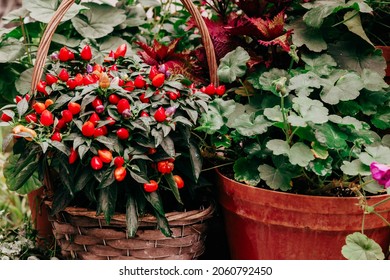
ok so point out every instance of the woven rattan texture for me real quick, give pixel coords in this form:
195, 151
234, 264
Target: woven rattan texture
83, 235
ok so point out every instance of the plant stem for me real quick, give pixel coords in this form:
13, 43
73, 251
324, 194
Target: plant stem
217, 166
25, 40
284, 118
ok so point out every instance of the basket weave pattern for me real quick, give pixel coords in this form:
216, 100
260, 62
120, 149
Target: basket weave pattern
83, 235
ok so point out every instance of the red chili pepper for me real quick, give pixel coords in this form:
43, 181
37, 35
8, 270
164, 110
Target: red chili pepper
51, 79
41, 87
64, 54
67, 116
96, 163
6, 118
88, 129
39, 107
79, 79
152, 186
71, 83
105, 155
165, 167
158, 80
113, 99
74, 108
144, 114
173, 95
30, 118
88, 80
159, 115
143, 99
110, 119
98, 68
120, 51
56, 137
210, 89
179, 181
129, 86
73, 156
63, 75
123, 133
48, 102
86, 53
120, 173
139, 82
47, 118
94, 118
123, 104
153, 72
100, 131
119, 161
60, 125
220, 90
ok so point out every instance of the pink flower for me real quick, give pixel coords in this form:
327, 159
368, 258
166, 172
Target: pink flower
381, 173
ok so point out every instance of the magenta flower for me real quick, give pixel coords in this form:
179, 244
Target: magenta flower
381, 173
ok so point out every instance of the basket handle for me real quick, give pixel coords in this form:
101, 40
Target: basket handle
44, 45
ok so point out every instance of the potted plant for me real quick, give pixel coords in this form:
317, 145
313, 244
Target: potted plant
295, 138
109, 137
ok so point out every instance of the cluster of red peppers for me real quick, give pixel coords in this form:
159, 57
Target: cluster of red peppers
44, 111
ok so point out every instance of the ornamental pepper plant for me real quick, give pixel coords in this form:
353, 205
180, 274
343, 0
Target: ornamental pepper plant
115, 136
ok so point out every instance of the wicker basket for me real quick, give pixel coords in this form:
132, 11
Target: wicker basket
83, 235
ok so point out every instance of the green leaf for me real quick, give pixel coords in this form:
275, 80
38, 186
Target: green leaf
196, 160
267, 79
278, 147
309, 111
18, 172
172, 185
61, 199
274, 114
169, 146
275, 178
381, 119
300, 154
354, 23
353, 55
107, 179
106, 202
373, 81
154, 199
249, 125
22, 107
341, 87
213, 119
378, 153
43, 10
316, 16
354, 168
23, 83
131, 216
83, 180
11, 50
245, 170
322, 65
303, 84
98, 21
61, 147
308, 36
162, 224
330, 137
360, 247
233, 65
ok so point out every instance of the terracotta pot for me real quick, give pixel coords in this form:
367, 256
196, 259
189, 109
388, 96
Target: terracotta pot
40, 217
386, 55
265, 224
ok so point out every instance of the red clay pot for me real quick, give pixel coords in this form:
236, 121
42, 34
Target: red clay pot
265, 224
386, 55
40, 217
